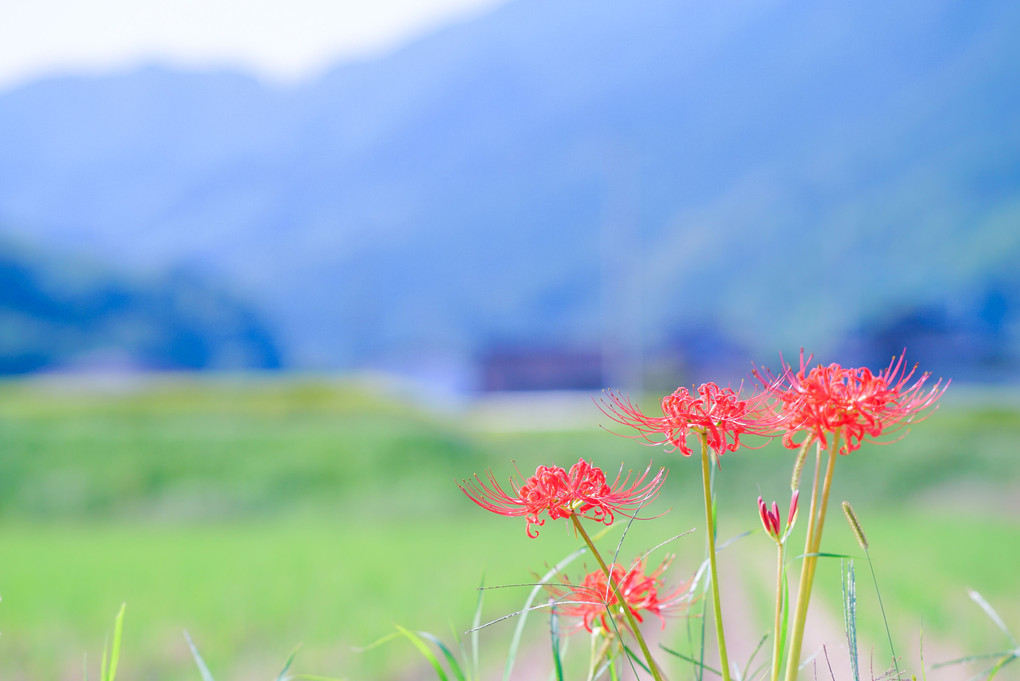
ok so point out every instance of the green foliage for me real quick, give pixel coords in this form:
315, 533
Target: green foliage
203, 669
273, 512
111, 657
420, 640
253, 590
178, 451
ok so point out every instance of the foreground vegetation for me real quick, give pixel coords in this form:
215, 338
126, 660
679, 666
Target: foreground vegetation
260, 515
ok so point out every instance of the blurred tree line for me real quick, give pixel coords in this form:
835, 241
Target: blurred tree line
67, 313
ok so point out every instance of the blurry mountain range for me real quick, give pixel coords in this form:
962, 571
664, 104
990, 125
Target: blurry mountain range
567, 174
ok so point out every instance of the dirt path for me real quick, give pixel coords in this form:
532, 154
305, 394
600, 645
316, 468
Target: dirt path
825, 633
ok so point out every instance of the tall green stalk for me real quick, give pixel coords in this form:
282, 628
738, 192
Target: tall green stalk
812, 542
862, 540
632, 623
706, 470
777, 643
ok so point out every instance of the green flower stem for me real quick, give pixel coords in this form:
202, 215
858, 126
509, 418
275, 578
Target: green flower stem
706, 469
824, 506
777, 652
812, 542
656, 672
793, 658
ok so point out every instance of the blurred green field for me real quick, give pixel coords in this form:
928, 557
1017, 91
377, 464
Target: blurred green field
260, 514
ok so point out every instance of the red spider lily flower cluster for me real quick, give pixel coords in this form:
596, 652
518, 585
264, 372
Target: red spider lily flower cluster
770, 517
856, 403
717, 413
594, 600
582, 491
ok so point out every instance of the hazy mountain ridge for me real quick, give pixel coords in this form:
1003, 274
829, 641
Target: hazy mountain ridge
786, 169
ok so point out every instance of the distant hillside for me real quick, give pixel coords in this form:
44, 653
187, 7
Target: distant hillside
553, 173
66, 313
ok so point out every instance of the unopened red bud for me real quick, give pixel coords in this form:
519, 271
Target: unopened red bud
769, 519
793, 509
763, 511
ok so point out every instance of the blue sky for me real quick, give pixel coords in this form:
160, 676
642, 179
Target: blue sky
281, 42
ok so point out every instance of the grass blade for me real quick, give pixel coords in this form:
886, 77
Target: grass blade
451, 659
602, 670
102, 663
290, 660
695, 584
554, 633
754, 653
375, 644
199, 662
697, 663
474, 628
700, 580
636, 658
920, 645
998, 667
823, 555
424, 649
732, 540
1005, 661
969, 658
881, 607
850, 616
515, 642
118, 630
990, 611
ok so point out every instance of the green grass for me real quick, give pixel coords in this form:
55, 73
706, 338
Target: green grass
925, 563
184, 450
262, 514
250, 592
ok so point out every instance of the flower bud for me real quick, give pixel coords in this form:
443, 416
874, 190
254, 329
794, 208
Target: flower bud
769, 519
792, 517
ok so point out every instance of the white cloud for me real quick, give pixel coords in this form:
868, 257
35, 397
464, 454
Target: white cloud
277, 40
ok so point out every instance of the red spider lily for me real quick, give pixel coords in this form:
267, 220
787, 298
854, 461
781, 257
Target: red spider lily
770, 518
856, 403
594, 601
717, 413
583, 491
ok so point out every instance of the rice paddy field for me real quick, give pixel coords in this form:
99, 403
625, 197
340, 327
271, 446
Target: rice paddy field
262, 514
